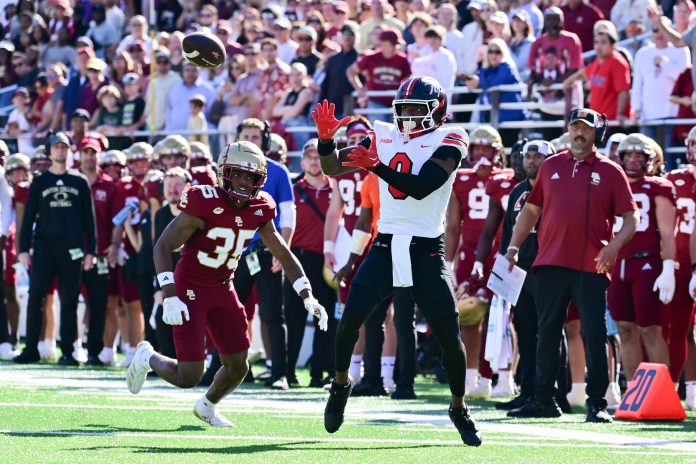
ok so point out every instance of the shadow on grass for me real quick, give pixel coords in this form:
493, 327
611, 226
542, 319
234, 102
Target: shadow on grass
97, 430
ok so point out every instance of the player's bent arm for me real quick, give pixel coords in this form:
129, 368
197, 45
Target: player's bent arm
280, 251
431, 177
490, 228
666, 216
174, 236
452, 231
631, 219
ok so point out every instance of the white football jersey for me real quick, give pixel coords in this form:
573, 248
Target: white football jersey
399, 213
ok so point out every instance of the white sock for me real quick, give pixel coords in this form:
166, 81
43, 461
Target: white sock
690, 387
269, 363
577, 386
484, 382
125, 348
107, 353
471, 376
503, 377
388, 370
355, 369
131, 351
207, 404
42, 348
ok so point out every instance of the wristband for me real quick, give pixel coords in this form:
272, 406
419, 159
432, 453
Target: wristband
165, 278
302, 284
513, 248
325, 149
360, 241
329, 246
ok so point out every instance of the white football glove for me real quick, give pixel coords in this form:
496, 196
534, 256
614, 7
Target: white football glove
477, 270
665, 283
312, 305
172, 308
692, 286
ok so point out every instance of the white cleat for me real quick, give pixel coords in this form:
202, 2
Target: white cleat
209, 414
49, 351
107, 357
503, 389
138, 369
577, 396
482, 391
126, 362
79, 353
7, 352
280, 384
690, 396
613, 396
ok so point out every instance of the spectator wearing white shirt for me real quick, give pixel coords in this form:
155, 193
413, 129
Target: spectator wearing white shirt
18, 125
176, 117
287, 48
521, 42
447, 17
138, 26
440, 64
114, 15
656, 68
101, 32
420, 22
473, 36
624, 11
534, 13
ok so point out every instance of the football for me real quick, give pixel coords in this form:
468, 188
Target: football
204, 50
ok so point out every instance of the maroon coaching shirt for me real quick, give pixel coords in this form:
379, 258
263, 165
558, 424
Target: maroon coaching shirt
578, 201
309, 229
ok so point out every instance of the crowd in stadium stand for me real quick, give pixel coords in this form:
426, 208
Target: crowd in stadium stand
82, 68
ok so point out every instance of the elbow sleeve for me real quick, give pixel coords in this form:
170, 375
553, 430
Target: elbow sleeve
288, 215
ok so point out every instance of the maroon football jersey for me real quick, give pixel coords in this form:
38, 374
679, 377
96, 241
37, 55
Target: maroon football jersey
104, 194
20, 193
500, 185
684, 183
211, 255
203, 175
153, 187
470, 189
646, 240
129, 189
349, 186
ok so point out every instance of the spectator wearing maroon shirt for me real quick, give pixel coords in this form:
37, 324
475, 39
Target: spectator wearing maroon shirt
96, 279
580, 18
566, 44
383, 69
577, 194
312, 194
681, 95
609, 76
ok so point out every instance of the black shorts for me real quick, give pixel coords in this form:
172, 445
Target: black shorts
432, 281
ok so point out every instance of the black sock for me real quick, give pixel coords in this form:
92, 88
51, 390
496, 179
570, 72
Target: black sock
446, 331
347, 334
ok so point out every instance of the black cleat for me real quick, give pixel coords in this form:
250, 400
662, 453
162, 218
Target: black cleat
536, 408
336, 406
68, 360
367, 388
265, 377
404, 393
516, 402
94, 361
471, 436
249, 377
319, 383
28, 356
598, 415
565, 406
293, 380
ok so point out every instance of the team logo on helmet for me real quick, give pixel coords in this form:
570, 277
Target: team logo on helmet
427, 93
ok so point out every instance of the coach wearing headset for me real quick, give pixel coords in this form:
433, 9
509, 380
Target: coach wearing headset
577, 194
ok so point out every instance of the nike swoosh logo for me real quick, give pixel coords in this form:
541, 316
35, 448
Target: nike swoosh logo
426, 146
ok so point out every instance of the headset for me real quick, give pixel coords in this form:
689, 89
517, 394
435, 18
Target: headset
265, 135
600, 129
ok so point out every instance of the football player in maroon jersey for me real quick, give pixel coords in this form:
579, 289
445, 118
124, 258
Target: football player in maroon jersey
643, 276
216, 224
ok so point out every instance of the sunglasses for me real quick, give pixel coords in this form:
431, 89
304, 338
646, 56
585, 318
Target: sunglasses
223, 32
162, 61
236, 68
655, 29
494, 52
304, 39
206, 15
268, 16
268, 50
250, 53
313, 21
135, 50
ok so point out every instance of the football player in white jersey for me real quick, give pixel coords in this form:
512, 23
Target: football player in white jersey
415, 159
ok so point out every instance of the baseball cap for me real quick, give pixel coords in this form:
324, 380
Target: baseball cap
390, 35
131, 78
89, 142
586, 115
199, 98
310, 145
498, 17
21, 91
475, 4
282, 23
137, 44
539, 146
7, 45
308, 31
96, 64
350, 28
60, 137
357, 128
81, 113
342, 7
84, 41
163, 53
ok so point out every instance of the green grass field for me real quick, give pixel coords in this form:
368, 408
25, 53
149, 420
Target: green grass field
50, 414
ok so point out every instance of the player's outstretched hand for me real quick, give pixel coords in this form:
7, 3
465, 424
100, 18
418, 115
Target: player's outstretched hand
324, 118
361, 157
312, 305
172, 309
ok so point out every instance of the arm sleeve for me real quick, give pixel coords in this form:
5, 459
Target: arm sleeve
288, 214
87, 212
6, 205
430, 178
29, 215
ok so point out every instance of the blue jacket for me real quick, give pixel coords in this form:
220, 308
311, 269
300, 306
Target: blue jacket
503, 74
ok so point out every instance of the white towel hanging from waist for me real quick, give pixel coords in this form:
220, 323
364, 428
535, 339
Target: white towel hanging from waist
401, 260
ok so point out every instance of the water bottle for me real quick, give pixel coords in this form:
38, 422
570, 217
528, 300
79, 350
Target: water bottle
122, 215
